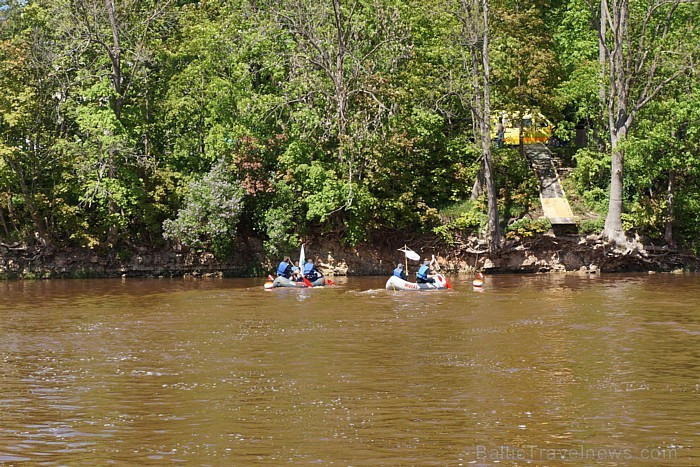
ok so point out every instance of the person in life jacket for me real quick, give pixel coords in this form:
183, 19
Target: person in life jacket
310, 271
296, 273
285, 268
423, 274
399, 272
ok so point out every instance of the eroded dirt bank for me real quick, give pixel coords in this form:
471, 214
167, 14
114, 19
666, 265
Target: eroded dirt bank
539, 255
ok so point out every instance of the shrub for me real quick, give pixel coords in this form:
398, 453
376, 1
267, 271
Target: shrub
210, 214
527, 227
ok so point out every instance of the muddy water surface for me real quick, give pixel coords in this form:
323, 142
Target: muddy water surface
542, 369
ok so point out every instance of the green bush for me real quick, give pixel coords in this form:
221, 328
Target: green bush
591, 178
468, 217
591, 226
210, 215
527, 227
516, 184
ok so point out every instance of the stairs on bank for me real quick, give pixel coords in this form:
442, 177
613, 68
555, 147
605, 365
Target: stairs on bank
554, 203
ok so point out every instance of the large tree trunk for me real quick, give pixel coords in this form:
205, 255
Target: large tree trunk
603, 25
618, 119
492, 196
633, 70
613, 222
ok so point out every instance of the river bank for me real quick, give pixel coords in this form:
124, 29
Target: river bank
541, 254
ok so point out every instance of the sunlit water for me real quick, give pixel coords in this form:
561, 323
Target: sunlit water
533, 369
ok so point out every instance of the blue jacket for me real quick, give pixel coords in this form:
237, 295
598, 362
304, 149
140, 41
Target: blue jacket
423, 272
399, 272
284, 269
309, 269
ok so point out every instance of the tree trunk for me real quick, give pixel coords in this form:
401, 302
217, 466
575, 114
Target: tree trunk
521, 141
4, 224
632, 65
494, 239
601, 51
613, 230
494, 226
613, 222
619, 121
668, 232
115, 57
598, 133
481, 78
342, 96
478, 188
475, 29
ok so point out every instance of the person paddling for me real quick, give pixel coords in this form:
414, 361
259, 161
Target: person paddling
423, 274
285, 268
310, 271
399, 272
296, 273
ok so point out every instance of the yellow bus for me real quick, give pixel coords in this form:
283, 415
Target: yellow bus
536, 127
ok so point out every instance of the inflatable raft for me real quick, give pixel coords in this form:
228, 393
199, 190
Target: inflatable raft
284, 282
396, 283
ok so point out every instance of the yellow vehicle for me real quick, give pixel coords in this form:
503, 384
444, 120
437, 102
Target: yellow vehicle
536, 127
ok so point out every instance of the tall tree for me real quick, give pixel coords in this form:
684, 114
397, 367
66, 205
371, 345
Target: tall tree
343, 51
646, 45
112, 45
29, 111
474, 18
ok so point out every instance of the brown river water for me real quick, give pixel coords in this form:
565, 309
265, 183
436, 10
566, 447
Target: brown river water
540, 370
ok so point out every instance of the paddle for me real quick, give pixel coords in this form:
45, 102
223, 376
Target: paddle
307, 282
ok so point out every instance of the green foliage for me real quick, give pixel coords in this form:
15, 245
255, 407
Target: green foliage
522, 54
516, 183
592, 177
467, 217
106, 146
279, 222
527, 227
210, 215
688, 215
591, 226
664, 146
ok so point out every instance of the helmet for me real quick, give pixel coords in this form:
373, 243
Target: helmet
400, 265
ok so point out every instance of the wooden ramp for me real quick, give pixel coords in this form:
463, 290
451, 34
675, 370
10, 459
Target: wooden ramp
554, 203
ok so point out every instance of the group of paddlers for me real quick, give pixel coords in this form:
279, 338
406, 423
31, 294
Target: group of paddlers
289, 270
423, 275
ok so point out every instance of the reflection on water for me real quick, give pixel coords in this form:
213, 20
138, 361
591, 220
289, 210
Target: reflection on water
544, 369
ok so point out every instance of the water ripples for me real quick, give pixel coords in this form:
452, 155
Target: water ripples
222, 372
